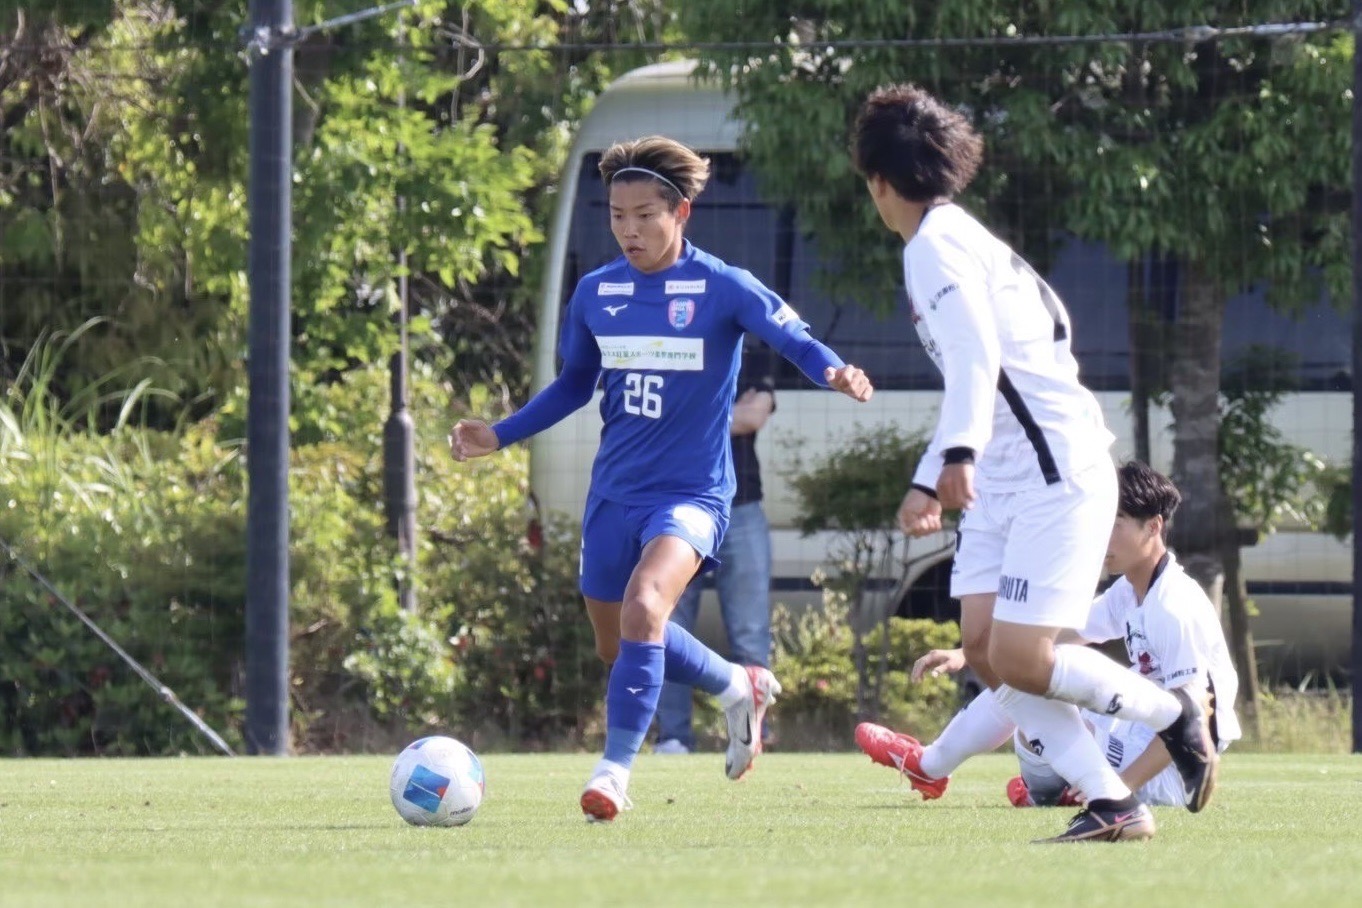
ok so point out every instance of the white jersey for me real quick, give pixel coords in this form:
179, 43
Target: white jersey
1001, 338
1173, 638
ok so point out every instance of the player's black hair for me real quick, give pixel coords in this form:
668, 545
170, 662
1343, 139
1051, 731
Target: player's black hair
1146, 493
923, 148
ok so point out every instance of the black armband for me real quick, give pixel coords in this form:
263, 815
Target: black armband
925, 490
958, 455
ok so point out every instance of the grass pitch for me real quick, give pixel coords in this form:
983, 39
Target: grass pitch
801, 830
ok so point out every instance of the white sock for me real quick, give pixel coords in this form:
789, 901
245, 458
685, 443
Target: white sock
621, 773
1034, 769
739, 686
1056, 732
1087, 678
977, 729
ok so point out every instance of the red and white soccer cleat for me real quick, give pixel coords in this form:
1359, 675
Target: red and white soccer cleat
901, 752
603, 798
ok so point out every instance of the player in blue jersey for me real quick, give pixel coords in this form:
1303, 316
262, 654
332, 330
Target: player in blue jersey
662, 327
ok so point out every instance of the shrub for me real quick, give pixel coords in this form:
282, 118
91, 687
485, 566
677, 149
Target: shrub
147, 532
815, 661
151, 558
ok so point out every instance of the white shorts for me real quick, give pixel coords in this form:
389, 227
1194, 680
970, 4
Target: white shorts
1040, 550
1121, 742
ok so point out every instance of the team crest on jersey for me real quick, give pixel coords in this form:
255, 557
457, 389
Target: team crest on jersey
680, 313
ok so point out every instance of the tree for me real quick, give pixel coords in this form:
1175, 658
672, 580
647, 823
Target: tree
123, 168
1230, 157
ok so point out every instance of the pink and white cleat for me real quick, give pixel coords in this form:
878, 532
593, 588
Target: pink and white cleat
744, 721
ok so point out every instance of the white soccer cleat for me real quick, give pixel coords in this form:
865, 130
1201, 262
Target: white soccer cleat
603, 798
745, 719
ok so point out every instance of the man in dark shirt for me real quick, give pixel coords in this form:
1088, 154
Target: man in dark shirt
743, 578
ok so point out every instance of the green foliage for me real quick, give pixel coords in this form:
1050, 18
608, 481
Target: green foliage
155, 557
857, 485
1233, 154
123, 170
146, 531
1269, 480
815, 659
527, 650
854, 489
406, 666
1336, 485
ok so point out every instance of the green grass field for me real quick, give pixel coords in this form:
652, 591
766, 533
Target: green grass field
802, 829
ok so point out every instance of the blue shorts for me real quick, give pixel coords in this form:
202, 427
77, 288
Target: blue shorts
613, 537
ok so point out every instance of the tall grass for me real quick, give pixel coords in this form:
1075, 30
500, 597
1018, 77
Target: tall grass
1315, 721
74, 440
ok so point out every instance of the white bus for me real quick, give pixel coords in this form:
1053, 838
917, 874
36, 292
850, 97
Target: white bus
1300, 581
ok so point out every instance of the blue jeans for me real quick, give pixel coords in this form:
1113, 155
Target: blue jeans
743, 581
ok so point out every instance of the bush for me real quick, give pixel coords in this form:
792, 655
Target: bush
155, 559
146, 531
815, 661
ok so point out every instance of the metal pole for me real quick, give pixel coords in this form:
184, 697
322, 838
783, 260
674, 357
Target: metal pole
1357, 375
399, 456
399, 436
267, 435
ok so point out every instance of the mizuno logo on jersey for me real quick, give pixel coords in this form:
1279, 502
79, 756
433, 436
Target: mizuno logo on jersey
674, 354
615, 310
685, 287
607, 289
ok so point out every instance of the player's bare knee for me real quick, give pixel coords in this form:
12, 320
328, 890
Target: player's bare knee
643, 615
608, 651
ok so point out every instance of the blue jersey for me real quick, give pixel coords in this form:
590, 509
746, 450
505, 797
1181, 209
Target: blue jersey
669, 345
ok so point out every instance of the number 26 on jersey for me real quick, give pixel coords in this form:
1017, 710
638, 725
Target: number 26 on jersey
642, 395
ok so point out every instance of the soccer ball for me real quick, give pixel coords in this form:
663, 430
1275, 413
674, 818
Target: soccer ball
437, 781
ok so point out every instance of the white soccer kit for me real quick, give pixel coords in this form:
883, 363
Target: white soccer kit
1174, 638
1046, 486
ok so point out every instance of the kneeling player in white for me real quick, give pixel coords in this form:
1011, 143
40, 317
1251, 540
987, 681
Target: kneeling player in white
1172, 636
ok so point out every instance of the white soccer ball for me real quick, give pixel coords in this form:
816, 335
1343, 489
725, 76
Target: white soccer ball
437, 781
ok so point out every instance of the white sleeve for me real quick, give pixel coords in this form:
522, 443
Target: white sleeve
1173, 642
929, 467
949, 293
1102, 624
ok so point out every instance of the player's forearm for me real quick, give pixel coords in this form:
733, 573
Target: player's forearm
812, 357
567, 393
1150, 763
750, 413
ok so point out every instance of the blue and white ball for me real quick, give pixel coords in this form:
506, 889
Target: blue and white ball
437, 781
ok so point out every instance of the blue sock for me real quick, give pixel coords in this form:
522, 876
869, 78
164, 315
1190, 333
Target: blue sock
631, 699
692, 663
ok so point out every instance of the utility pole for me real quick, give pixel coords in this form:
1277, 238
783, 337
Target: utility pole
1357, 378
270, 42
